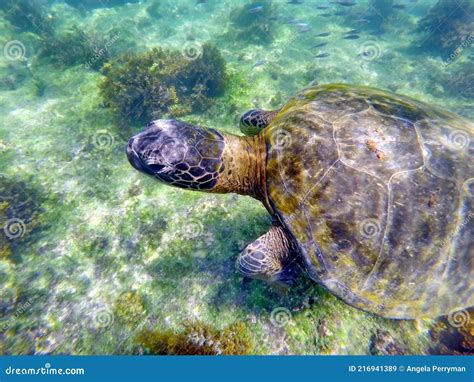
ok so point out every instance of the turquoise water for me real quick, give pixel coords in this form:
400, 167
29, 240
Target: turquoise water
95, 258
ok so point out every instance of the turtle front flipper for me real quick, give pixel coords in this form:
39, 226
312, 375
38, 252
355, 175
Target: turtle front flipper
254, 121
270, 258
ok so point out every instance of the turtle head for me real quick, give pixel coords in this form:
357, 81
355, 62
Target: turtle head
193, 157
178, 153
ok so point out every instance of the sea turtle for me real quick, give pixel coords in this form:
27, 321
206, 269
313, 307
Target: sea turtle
373, 192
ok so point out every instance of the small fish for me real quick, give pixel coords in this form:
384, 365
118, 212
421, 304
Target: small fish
377, 32
201, 2
399, 6
323, 34
351, 37
322, 55
353, 31
320, 45
293, 21
303, 27
295, 2
259, 63
361, 21
326, 14
322, 6
257, 9
345, 3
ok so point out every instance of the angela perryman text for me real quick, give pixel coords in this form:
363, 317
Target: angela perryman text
435, 369
406, 369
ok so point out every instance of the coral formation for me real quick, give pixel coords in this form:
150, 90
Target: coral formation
197, 339
142, 87
254, 23
447, 24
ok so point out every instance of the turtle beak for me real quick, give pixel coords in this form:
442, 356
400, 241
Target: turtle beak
133, 157
138, 162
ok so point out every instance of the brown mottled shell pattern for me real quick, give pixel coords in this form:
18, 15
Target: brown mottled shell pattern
378, 191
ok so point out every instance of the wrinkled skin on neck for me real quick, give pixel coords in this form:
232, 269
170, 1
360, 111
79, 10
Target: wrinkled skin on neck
192, 157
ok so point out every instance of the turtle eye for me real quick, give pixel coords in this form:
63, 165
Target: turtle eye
149, 125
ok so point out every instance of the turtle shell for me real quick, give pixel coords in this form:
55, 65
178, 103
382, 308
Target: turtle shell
378, 191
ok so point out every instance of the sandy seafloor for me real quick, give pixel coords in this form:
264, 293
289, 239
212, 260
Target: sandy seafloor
116, 253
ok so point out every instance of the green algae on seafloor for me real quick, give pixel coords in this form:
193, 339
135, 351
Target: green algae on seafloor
197, 339
20, 215
74, 46
460, 83
130, 307
112, 244
143, 87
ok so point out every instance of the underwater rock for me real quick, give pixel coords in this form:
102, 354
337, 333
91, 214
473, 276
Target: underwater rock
197, 339
74, 47
155, 9
382, 343
446, 26
143, 87
20, 214
454, 334
254, 23
27, 15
